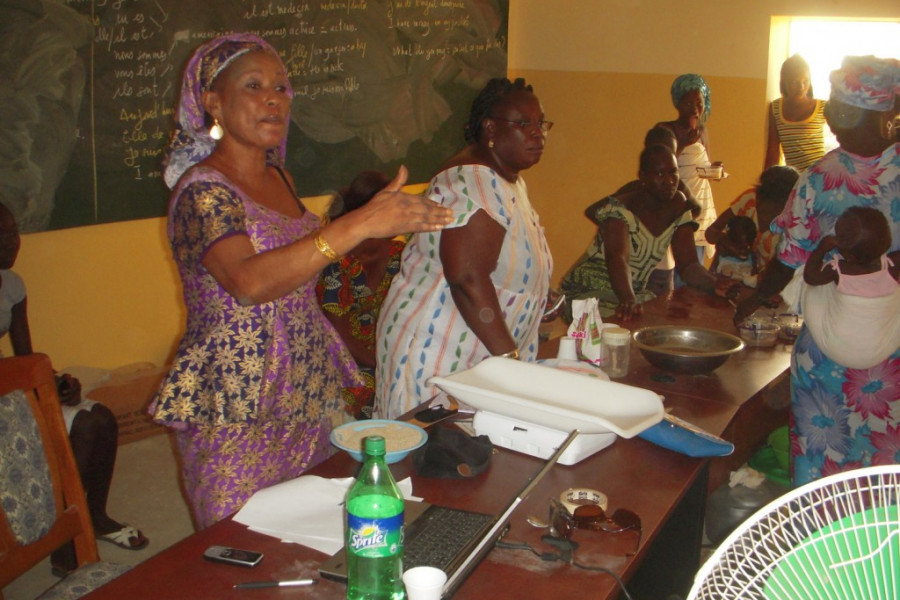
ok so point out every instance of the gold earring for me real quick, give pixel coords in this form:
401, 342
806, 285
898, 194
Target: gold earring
490, 143
216, 132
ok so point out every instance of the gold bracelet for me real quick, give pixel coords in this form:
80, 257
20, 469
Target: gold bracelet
513, 354
325, 248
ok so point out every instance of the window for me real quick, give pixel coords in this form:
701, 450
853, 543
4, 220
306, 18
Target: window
823, 43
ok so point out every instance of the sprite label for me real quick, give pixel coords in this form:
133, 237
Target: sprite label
375, 537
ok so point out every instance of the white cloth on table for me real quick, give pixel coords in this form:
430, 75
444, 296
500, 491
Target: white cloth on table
308, 510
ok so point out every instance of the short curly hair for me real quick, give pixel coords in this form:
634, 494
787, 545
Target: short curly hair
491, 95
776, 183
865, 233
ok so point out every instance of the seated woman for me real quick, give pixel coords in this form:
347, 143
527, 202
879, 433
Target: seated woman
762, 204
93, 431
661, 280
352, 290
634, 231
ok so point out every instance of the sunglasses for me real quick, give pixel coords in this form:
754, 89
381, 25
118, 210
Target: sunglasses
593, 518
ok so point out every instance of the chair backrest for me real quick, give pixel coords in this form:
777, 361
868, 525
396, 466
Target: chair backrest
42, 501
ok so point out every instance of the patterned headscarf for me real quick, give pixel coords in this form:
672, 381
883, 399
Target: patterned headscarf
867, 82
191, 142
686, 83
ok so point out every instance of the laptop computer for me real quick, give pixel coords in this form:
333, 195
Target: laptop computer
452, 539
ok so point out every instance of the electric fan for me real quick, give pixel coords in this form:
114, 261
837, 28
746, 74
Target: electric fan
835, 538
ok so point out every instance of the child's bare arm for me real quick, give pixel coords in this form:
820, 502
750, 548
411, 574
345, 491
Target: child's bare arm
815, 272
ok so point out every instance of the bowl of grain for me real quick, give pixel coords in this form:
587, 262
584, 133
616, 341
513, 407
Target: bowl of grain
400, 438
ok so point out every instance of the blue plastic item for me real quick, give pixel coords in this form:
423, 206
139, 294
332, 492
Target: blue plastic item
679, 435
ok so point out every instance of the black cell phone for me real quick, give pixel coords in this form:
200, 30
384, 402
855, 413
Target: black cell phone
233, 556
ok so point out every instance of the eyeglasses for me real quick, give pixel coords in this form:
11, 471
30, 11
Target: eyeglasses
593, 518
544, 126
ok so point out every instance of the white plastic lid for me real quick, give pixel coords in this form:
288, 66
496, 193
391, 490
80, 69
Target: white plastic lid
615, 335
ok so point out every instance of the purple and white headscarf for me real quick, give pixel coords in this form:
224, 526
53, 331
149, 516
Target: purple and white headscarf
867, 82
191, 142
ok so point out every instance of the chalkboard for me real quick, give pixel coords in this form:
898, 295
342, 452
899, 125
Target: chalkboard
377, 84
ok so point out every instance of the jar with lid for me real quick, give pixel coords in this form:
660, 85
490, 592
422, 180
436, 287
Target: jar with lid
616, 351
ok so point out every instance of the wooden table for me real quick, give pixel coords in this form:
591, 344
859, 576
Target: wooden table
666, 489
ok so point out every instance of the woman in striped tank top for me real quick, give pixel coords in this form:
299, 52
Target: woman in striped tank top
796, 120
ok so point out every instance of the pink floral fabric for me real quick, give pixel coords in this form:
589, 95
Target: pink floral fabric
841, 418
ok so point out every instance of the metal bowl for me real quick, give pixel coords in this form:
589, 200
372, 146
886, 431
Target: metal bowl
688, 350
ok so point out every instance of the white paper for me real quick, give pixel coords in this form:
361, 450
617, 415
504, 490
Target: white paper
308, 510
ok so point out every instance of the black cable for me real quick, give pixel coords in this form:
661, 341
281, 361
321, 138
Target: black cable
619, 581
551, 556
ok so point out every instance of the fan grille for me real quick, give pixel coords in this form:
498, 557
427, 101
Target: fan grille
835, 538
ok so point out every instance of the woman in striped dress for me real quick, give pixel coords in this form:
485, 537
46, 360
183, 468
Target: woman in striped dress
796, 120
478, 288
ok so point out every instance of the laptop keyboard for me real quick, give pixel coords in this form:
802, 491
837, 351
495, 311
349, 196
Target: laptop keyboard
440, 536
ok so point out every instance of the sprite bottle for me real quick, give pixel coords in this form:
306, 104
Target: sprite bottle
375, 530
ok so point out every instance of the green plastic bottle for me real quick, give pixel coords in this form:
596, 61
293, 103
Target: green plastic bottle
375, 530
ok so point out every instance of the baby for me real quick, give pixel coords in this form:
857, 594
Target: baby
851, 304
862, 266
734, 256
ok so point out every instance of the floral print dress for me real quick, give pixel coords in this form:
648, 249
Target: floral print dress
841, 418
254, 391
343, 291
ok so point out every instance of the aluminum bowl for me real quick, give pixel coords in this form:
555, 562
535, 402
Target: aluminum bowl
688, 350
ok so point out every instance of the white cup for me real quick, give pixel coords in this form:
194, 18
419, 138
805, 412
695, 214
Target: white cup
424, 583
567, 348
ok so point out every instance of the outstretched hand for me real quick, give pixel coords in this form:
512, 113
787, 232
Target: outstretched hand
727, 288
393, 212
625, 311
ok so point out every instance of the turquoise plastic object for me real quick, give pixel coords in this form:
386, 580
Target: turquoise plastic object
683, 437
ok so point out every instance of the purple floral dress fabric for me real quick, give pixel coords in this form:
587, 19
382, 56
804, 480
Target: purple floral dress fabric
841, 418
254, 391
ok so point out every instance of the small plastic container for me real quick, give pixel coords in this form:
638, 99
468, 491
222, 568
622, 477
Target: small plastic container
616, 351
759, 331
791, 324
567, 348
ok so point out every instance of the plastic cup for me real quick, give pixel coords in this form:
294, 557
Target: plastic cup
424, 583
567, 348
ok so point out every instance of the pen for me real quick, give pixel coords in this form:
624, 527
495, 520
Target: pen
266, 584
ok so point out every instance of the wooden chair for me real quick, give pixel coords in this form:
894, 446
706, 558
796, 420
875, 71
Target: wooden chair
42, 502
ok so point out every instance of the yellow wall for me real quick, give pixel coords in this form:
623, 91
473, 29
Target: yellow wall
109, 295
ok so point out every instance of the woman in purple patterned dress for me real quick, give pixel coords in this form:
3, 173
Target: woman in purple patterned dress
842, 418
255, 385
